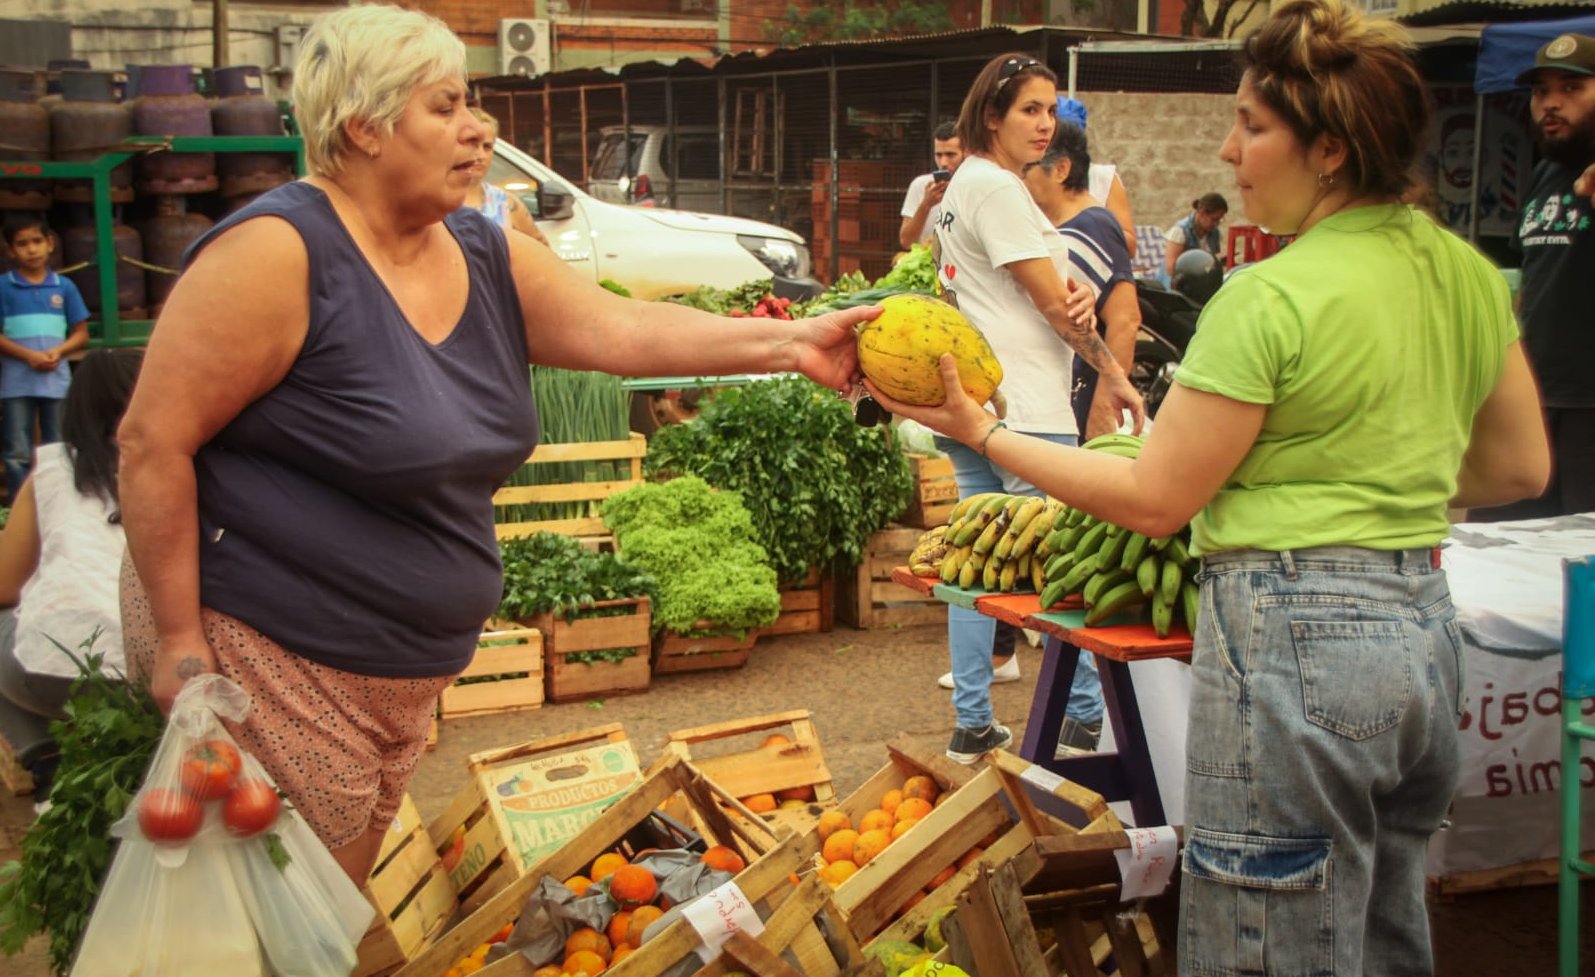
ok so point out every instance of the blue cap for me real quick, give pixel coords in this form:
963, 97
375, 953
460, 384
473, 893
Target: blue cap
1071, 110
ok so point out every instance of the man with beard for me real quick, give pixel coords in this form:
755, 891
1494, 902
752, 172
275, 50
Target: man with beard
1557, 235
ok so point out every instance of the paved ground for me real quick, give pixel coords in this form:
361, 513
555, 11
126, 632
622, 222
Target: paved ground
864, 687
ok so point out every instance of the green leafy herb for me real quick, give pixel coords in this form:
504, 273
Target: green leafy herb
550, 573
107, 741
815, 483
698, 544
615, 287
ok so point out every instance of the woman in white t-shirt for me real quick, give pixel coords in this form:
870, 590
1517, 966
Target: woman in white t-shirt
994, 254
60, 557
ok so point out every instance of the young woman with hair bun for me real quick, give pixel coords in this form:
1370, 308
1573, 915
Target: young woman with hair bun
1336, 399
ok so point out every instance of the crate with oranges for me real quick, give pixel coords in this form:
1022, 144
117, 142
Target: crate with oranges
613, 847
772, 763
916, 835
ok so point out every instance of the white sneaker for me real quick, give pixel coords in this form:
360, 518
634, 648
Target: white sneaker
1034, 637
1008, 671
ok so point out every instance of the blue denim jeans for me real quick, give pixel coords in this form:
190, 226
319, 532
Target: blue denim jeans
972, 637
17, 444
1322, 754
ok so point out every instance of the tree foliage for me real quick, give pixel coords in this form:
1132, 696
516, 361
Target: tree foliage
1223, 21
852, 20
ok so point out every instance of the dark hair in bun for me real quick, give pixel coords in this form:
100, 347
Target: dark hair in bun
1324, 67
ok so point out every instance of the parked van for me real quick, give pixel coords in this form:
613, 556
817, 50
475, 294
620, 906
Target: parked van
690, 154
652, 252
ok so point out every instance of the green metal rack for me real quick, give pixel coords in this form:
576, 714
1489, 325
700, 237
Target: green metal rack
111, 329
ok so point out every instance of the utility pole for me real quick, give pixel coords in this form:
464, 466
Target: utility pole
219, 30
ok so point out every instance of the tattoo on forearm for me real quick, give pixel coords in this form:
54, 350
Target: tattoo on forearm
1092, 349
190, 667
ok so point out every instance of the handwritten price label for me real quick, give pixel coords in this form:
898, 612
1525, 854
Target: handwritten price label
1148, 863
719, 914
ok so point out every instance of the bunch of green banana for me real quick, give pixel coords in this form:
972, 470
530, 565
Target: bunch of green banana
929, 550
1113, 569
994, 538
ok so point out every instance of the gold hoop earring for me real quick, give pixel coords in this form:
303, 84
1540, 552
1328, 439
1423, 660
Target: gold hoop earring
1326, 181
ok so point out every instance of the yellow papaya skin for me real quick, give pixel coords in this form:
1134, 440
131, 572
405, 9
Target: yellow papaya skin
900, 348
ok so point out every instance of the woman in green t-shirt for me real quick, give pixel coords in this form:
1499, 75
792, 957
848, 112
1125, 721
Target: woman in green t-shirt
1336, 399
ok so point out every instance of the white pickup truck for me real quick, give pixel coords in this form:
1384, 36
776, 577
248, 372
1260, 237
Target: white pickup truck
651, 252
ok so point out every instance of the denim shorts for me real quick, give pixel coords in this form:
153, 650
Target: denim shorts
1322, 754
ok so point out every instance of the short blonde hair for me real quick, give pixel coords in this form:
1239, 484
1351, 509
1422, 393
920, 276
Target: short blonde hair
488, 122
364, 62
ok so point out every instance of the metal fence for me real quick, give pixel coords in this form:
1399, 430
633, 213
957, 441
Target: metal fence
824, 149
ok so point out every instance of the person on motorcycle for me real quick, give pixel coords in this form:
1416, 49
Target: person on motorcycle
1198, 229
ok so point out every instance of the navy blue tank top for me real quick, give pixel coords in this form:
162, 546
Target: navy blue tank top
347, 514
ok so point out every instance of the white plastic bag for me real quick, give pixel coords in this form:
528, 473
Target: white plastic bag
213, 876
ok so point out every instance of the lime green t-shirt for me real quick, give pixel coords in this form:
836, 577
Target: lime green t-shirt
1373, 339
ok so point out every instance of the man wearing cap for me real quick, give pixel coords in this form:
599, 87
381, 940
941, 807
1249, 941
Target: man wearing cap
923, 202
1557, 237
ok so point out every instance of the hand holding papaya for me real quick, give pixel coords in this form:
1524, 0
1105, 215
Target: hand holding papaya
958, 416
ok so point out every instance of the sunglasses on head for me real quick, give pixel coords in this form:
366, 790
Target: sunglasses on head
1012, 67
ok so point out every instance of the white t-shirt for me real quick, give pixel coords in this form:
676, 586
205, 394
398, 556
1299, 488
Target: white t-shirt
916, 196
990, 220
75, 588
1099, 181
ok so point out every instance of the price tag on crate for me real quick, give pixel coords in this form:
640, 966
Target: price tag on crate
719, 914
1148, 863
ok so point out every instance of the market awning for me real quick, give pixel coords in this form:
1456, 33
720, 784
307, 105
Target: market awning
1507, 50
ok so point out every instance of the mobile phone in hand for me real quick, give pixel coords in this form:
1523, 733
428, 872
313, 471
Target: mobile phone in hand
941, 176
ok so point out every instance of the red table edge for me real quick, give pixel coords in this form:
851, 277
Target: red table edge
1124, 642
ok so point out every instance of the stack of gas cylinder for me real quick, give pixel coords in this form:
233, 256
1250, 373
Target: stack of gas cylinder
161, 201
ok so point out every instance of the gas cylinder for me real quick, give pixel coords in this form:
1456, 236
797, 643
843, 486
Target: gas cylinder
24, 138
168, 106
87, 122
78, 245
242, 109
166, 236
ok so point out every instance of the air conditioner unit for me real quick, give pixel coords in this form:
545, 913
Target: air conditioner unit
523, 46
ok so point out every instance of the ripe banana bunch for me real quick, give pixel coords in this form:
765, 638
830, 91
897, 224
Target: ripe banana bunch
993, 539
929, 551
1115, 570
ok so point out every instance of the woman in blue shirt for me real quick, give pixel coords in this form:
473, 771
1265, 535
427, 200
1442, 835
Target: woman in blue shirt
1198, 229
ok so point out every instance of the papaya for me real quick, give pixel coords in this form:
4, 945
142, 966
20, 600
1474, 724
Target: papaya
897, 955
899, 351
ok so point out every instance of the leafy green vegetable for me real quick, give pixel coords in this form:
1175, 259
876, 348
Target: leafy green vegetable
572, 406
724, 301
107, 741
815, 483
698, 544
915, 270
550, 573
615, 287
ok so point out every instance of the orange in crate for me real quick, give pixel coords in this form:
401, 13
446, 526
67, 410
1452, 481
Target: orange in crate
723, 859
632, 886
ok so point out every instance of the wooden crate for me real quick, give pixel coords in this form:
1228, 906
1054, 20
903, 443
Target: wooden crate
508, 669
935, 491
866, 596
629, 451
480, 835
766, 883
412, 895
1543, 871
573, 680
891, 896
746, 769
808, 606
674, 652
989, 931
12, 773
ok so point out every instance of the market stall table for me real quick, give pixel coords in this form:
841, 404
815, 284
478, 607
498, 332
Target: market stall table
1126, 774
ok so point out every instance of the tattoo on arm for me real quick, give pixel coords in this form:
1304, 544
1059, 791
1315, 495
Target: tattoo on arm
190, 667
1092, 349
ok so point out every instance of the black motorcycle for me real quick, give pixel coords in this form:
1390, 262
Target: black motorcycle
1168, 321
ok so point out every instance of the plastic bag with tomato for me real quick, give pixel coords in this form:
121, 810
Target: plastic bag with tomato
215, 875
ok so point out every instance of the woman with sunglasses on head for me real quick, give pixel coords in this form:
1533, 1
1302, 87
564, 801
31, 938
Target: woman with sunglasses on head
994, 252
1336, 399
496, 204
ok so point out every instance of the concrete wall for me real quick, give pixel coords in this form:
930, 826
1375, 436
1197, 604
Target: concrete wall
1166, 149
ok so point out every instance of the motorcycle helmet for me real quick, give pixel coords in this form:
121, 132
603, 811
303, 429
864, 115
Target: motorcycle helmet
1197, 275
